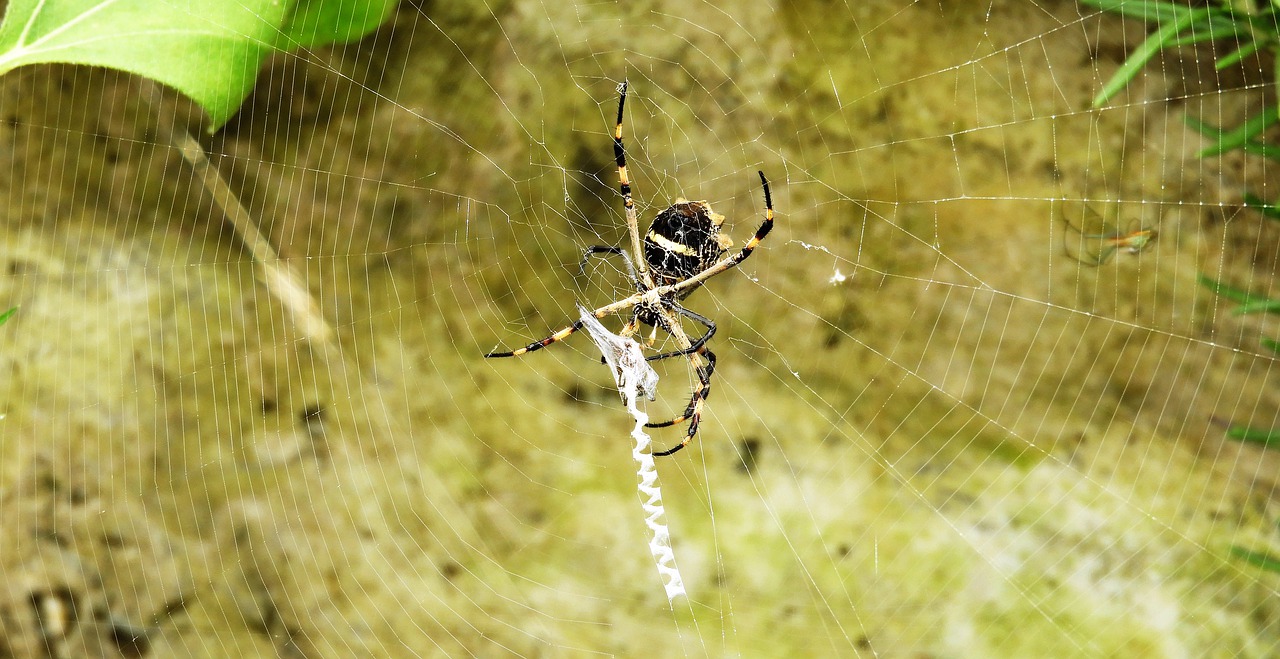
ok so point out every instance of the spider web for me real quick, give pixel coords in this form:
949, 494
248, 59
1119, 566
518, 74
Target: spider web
931, 430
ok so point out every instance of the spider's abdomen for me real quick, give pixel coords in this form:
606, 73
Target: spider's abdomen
684, 240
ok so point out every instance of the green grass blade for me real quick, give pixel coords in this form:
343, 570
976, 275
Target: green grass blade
1267, 438
1235, 56
1253, 127
1276, 65
1240, 137
1147, 10
1208, 130
7, 315
1267, 305
1249, 302
1165, 12
1223, 290
1272, 344
1261, 559
1268, 151
1259, 204
1153, 44
1219, 30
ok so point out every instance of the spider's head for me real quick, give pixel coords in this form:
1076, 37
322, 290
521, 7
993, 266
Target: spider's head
684, 240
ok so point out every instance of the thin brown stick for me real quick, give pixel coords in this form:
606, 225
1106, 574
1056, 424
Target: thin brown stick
282, 282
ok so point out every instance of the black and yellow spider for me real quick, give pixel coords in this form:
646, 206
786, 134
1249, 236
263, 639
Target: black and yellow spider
682, 250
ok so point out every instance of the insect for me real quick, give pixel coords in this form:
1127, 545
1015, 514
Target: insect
681, 251
1133, 241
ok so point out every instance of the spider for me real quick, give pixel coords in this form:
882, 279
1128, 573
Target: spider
681, 251
1134, 241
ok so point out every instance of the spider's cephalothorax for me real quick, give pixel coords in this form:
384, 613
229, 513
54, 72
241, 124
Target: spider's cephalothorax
684, 240
682, 250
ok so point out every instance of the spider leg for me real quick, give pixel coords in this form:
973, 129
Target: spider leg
1105, 255
538, 345
694, 411
1081, 254
695, 352
701, 393
731, 261
562, 334
696, 346
620, 156
1088, 258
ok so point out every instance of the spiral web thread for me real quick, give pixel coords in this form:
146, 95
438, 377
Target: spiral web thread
634, 376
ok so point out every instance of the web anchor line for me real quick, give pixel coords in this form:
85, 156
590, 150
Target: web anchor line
634, 377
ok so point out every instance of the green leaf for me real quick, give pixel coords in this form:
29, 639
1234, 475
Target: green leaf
210, 50
8, 314
320, 22
1261, 559
1267, 438
1272, 344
